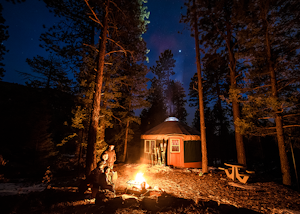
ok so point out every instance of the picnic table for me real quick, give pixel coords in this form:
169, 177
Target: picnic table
237, 171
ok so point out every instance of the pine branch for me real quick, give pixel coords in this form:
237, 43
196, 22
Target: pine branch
294, 80
92, 47
119, 51
28, 76
259, 87
290, 115
265, 118
220, 32
194, 88
91, 9
273, 133
118, 8
117, 118
118, 46
287, 126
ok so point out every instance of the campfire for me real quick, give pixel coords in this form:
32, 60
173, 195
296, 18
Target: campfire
139, 183
139, 186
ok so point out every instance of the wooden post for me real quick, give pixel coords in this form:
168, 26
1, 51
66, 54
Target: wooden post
151, 159
163, 152
158, 156
155, 155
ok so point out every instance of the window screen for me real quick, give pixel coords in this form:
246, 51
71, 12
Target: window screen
192, 151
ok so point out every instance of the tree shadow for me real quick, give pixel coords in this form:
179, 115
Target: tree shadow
169, 203
58, 201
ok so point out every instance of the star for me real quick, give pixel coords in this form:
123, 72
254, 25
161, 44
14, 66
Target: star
179, 51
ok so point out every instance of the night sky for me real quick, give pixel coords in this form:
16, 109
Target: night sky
25, 23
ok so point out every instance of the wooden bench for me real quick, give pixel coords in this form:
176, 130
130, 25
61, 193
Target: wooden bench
237, 171
229, 174
243, 177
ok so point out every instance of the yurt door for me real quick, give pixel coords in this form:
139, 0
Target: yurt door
175, 152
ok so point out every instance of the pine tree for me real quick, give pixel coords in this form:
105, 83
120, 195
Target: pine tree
95, 114
216, 110
49, 74
178, 100
274, 73
218, 26
133, 92
164, 69
193, 21
100, 85
74, 40
167, 97
157, 112
131, 71
16, 1
3, 36
41, 146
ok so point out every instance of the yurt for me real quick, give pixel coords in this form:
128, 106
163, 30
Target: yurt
172, 143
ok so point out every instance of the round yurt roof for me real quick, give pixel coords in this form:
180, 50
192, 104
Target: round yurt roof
171, 127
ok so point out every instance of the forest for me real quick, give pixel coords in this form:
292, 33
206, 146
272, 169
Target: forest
96, 89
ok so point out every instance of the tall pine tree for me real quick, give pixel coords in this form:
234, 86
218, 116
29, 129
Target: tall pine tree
218, 26
163, 70
271, 43
3, 36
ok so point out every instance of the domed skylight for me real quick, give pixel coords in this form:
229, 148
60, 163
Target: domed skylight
171, 119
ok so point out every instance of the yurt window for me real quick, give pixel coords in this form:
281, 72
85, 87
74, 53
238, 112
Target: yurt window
149, 146
175, 145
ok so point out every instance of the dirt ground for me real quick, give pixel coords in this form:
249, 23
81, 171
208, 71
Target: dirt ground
183, 191
262, 197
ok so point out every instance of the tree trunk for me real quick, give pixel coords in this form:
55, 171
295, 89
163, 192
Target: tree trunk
49, 77
100, 137
125, 143
240, 149
222, 129
200, 94
285, 168
92, 135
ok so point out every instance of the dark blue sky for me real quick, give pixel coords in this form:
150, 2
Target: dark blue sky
25, 23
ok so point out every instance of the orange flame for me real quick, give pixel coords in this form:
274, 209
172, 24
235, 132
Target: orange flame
139, 179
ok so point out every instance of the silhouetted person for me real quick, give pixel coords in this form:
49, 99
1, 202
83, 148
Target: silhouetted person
101, 179
103, 163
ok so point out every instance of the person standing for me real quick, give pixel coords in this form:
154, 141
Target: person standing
111, 156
